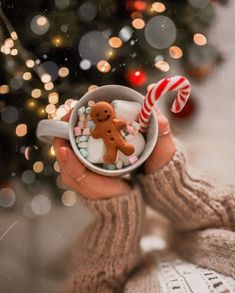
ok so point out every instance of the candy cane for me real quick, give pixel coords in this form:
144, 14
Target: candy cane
176, 83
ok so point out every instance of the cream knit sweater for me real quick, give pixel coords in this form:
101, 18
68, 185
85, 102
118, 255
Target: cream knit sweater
109, 258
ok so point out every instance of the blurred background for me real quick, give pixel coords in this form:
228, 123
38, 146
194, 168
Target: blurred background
52, 53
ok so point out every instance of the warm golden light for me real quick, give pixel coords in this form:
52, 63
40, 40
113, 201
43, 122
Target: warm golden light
138, 23
36, 93
163, 66
27, 75
50, 108
31, 104
63, 72
199, 39
57, 41
30, 63
45, 78
52, 151
21, 130
14, 36
158, 7
115, 42
175, 52
38, 167
103, 66
4, 89
69, 198
49, 86
41, 20
92, 87
14, 52
53, 98
9, 43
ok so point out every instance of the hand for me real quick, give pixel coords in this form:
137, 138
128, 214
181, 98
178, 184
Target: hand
93, 186
165, 147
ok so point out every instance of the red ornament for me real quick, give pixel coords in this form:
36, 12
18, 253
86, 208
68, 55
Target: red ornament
137, 77
136, 5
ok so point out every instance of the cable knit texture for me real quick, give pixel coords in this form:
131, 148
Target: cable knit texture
109, 248
109, 255
190, 203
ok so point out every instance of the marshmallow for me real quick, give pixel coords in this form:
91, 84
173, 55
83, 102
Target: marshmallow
77, 131
96, 150
138, 142
129, 111
83, 152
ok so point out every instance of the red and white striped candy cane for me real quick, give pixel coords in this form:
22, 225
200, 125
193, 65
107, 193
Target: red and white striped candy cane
166, 85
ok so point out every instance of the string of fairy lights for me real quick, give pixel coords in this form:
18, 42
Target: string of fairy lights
37, 78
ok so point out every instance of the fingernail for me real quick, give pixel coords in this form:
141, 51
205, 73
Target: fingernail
63, 153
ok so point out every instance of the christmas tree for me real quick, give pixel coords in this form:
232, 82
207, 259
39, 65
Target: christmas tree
52, 52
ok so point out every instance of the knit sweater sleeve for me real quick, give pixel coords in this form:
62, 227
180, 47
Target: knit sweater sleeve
108, 250
188, 201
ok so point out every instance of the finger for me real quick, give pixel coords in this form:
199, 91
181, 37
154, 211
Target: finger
60, 142
70, 165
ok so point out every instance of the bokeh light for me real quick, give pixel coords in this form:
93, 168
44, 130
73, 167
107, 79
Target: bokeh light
16, 83
103, 66
9, 43
88, 11
14, 52
21, 130
28, 177
50, 108
36, 93
94, 47
162, 65
14, 36
53, 98
125, 33
27, 75
48, 86
9, 114
158, 7
69, 198
175, 52
45, 78
40, 205
115, 42
63, 72
160, 32
85, 64
4, 89
7, 197
39, 25
138, 23
51, 68
199, 39
56, 167
92, 87
29, 63
38, 167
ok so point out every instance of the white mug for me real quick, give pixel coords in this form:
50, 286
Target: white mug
48, 129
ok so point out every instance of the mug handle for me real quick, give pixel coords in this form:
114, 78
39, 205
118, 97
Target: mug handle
48, 129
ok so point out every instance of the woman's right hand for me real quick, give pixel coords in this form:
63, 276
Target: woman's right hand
92, 186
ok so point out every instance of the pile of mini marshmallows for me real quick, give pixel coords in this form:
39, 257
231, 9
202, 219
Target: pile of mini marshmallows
83, 130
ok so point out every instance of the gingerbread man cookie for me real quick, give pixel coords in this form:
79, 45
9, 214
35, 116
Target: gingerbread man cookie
108, 128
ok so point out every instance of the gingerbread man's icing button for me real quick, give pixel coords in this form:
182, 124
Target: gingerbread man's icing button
108, 128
